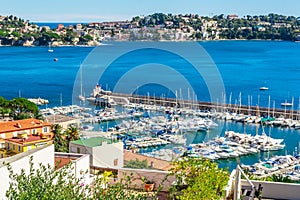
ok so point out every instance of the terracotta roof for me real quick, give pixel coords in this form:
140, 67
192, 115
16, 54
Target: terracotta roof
156, 163
59, 162
30, 139
23, 124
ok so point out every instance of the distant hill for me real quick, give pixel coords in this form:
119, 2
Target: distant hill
158, 26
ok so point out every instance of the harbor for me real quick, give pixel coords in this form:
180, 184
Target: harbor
164, 129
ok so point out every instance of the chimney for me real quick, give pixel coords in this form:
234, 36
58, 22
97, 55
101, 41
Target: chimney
18, 125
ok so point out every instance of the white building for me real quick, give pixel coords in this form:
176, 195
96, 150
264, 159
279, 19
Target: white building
46, 156
106, 153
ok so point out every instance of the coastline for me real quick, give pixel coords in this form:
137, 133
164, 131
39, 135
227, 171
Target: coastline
105, 41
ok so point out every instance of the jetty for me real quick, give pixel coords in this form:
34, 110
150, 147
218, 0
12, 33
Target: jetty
206, 106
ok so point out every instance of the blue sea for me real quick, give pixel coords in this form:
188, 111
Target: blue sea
242, 66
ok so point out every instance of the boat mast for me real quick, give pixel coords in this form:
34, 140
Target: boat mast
269, 106
292, 110
60, 99
80, 79
273, 108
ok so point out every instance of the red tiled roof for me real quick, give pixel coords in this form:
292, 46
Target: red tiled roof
23, 124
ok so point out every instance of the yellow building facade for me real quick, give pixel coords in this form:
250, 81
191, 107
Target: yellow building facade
22, 135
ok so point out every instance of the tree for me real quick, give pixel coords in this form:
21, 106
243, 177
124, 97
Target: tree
22, 108
198, 179
60, 142
72, 133
44, 182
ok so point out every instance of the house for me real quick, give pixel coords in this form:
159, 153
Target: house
104, 152
22, 135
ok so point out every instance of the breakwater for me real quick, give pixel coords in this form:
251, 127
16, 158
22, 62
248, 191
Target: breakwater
286, 112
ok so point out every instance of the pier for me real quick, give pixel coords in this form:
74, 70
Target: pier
207, 106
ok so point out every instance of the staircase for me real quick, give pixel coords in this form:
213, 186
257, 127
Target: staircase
246, 192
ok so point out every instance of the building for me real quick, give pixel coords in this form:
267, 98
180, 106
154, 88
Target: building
64, 121
79, 167
104, 152
21, 161
22, 135
233, 16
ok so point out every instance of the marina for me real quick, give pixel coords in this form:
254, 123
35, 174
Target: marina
171, 132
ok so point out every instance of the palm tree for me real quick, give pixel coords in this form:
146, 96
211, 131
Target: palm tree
72, 133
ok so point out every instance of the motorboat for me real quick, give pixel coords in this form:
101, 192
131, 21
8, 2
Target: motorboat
286, 104
263, 88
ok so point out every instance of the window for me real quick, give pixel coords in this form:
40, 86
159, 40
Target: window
19, 148
14, 147
45, 129
8, 146
78, 150
115, 162
33, 131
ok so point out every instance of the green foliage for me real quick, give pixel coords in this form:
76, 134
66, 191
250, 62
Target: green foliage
280, 178
63, 138
88, 37
22, 108
121, 190
60, 143
19, 108
198, 179
137, 164
44, 183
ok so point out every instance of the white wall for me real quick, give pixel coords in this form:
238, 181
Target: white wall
80, 166
273, 190
44, 155
104, 155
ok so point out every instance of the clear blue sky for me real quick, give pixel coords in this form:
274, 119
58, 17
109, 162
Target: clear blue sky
108, 10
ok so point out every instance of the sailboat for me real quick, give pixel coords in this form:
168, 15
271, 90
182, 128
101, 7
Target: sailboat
81, 97
49, 48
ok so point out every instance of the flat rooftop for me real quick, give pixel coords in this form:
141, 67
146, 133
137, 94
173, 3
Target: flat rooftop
94, 142
58, 118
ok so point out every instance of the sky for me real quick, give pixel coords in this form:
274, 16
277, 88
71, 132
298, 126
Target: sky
111, 10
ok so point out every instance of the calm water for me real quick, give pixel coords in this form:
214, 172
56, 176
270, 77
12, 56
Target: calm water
244, 66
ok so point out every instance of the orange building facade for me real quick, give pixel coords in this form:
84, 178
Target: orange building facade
22, 135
